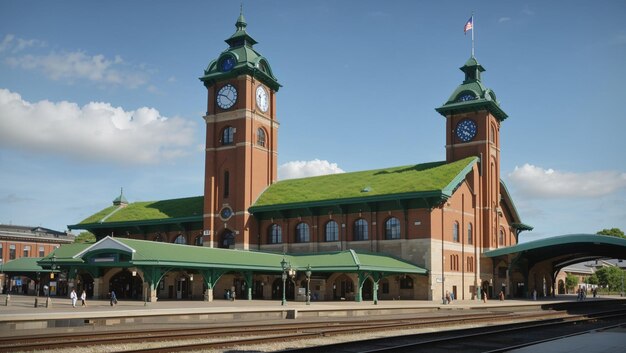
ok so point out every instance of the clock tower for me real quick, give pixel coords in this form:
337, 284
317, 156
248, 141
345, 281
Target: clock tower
241, 139
473, 119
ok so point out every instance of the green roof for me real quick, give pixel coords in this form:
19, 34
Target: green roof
150, 210
150, 253
472, 95
429, 179
24, 264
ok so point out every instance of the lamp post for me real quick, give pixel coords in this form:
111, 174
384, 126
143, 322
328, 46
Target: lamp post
283, 265
48, 300
308, 284
1, 273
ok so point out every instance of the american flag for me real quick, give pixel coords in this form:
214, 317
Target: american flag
469, 24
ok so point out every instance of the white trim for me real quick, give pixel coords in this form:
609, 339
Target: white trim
106, 243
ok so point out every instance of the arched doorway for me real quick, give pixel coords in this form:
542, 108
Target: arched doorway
125, 285
227, 240
561, 287
86, 284
277, 289
183, 287
368, 289
343, 287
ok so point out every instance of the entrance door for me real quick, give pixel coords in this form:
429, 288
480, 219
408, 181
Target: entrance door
182, 288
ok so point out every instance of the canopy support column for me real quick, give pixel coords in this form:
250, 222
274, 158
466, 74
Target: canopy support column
362, 277
152, 277
210, 278
248, 278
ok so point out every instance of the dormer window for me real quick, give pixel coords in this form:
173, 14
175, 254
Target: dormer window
464, 97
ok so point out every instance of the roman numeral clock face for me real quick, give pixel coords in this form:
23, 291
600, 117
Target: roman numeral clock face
466, 130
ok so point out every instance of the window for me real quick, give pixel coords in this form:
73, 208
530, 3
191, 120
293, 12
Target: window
469, 234
226, 184
454, 262
1, 252
455, 232
12, 252
275, 234
228, 135
42, 252
332, 231
228, 240
470, 264
406, 282
360, 229
260, 137
199, 240
392, 228
302, 233
501, 237
26, 251
180, 239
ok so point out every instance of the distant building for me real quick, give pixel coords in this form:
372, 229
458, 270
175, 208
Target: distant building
18, 242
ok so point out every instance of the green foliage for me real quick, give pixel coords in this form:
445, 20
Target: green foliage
571, 281
593, 279
85, 237
138, 211
613, 232
610, 276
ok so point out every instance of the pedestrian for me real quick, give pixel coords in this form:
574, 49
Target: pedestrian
232, 294
74, 297
447, 297
501, 295
113, 298
484, 296
83, 297
535, 294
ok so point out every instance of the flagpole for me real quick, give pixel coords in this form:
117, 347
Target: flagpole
473, 29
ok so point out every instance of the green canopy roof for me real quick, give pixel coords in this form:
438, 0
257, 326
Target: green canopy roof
436, 180
24, 264
149, 253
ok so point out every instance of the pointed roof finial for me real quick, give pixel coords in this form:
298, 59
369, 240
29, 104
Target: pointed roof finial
241, 21
120, 200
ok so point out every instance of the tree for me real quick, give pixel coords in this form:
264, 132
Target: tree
571, 281
613, 232
610, 276
85, 237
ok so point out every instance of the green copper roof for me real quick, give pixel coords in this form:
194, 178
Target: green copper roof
246, 60
24, 264
472, 95
437, 179
185, 208
149, 253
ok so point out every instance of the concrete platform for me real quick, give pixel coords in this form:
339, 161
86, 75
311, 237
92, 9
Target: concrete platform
21, 314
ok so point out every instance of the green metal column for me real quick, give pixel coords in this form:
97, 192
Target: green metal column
376, 277
210, 278
362, 277
248, 277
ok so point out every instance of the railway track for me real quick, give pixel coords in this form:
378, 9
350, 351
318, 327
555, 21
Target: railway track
223, 337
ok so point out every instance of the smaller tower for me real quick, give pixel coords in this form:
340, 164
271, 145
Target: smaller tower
473, 129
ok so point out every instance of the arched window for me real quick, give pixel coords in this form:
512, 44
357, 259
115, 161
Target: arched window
501, 237
360, 229
302, 233
228, 240
199, 240
455, 232
392, 228
260, 137
332, 231
226, 184
470, 235
275, 234
180, 239
228, 135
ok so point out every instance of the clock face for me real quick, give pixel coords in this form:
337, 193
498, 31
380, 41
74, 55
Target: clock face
466, 130
261, 99
228, 63
226, 96
226, 213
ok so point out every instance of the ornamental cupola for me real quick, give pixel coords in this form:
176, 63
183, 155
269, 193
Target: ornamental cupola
120, 200
472, 95
240, 58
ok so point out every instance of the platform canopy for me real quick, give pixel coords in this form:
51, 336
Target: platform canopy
125, 253
566, 249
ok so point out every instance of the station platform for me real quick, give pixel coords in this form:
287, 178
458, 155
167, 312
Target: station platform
21, 314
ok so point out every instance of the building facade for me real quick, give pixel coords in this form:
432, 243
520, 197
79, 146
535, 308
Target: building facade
440, 216
17, 242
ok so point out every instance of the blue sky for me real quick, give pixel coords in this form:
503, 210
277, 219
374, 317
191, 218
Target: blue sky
95, 96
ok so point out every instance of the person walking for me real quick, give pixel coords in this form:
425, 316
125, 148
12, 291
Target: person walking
83, 297
74, 297
113, 298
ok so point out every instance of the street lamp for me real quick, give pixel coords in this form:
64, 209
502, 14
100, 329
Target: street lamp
308, 284
283, 265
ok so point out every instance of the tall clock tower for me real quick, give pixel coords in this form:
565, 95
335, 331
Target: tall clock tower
241, 139
473, 119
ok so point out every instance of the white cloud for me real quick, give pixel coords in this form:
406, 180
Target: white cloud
14, 45
71, 66
504, 19
96, 131
548, 183
303, 169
